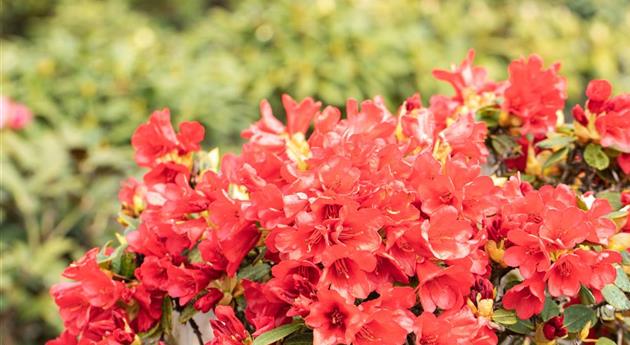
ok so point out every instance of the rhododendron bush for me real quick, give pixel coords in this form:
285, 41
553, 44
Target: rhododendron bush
478, 218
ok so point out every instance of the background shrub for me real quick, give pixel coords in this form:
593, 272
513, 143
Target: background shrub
91, 71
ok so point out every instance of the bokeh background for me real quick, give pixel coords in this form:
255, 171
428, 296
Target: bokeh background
91, 71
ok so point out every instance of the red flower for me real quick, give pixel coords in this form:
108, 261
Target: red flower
598, 92
265, 311
153, 272
149, 308
185, 283
527, 298
97, 287
227, 329
535, 94
554, 328
294, 283
566, 274
528, 253
155, 140
443, 288
208, 301
346, 271
430, 330
467, 137
466, 78
601, 228
614, 124
601, 263
447, 236
333, 320
564, 228
379, 327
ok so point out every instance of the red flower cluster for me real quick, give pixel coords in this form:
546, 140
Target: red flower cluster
374, 225
534, 94
610, 117
545, 232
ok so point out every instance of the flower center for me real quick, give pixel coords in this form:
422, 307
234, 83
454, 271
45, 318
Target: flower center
337, 318
429, 340
446, 197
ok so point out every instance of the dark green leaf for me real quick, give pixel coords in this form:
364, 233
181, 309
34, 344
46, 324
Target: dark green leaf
299, 339
504, 317
255, 272
550, 309
558, 142
615, 297
595, 157
577, 316
167, 316
556, 157
277, 333
503, 144
489, 115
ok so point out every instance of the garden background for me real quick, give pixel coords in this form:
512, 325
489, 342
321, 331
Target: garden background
91, 71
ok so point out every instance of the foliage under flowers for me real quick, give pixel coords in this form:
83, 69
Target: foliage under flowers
373, 227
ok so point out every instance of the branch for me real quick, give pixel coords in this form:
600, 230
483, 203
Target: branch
195, 328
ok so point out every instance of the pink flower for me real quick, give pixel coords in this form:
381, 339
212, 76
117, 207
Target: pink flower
14, 115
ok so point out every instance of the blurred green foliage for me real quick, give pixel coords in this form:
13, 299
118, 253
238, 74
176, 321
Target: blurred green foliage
92, 70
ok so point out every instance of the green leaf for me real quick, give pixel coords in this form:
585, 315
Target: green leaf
255, 272
503, 144
577, 316
277, 333
555, 157
622, 280
614, 198
489, 115
605, 341
615, 297
504, 317
586, 296
299, 339
167, 316
550, 309
595, 157
559, 141
188, 312
521, 327
617, 214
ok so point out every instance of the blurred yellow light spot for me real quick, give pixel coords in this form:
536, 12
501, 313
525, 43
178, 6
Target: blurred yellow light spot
144, 38
264, 33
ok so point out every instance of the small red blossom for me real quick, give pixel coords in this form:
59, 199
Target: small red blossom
527, 298
443, 288
155, 140
566, 274
535, 94
333, 319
